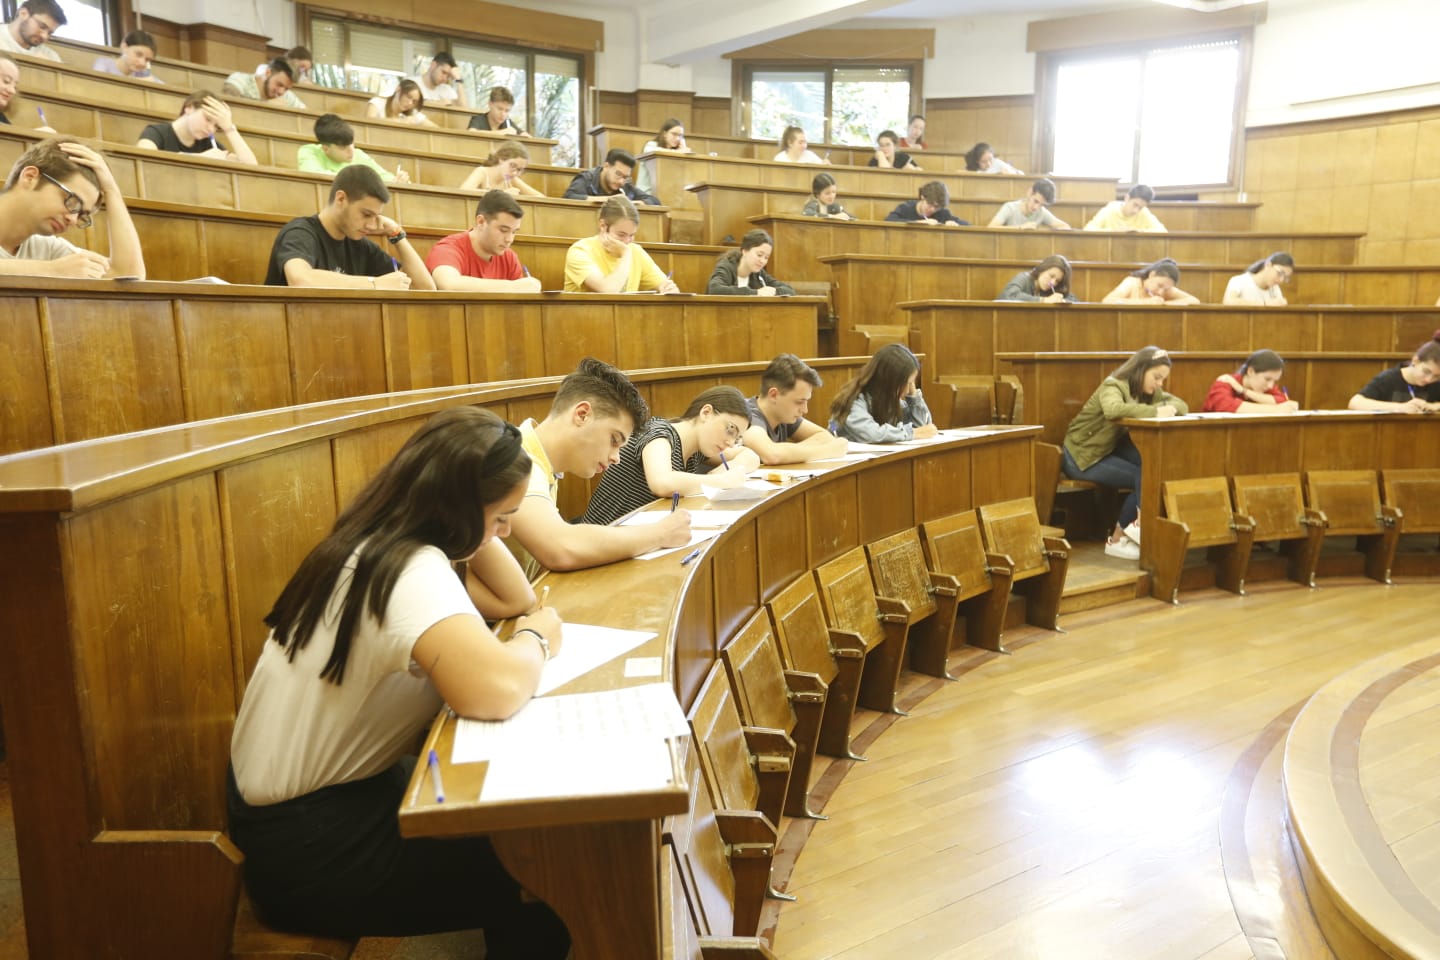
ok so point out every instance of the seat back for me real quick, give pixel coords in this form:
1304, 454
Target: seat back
897, 568
1416, 493
1203, 505
1274, 501
703, 886
974, 399
1013, 528
756, 677
1350, 500
953, 546
725, 757
1047, 477
848, 597
802, 636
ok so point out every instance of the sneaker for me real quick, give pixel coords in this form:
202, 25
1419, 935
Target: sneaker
1124, 548
1133, 531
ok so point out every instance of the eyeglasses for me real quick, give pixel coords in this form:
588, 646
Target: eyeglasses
732, 432
73, 204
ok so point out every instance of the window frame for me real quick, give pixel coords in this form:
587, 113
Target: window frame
114, 14
1047, 67
304, 13
742, 72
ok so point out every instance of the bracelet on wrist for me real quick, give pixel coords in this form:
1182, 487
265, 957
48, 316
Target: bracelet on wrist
544, 644
396, 238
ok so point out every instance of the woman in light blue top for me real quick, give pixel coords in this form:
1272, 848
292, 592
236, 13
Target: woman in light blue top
883, 404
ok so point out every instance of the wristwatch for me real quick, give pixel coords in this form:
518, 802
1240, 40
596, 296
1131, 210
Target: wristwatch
396, 238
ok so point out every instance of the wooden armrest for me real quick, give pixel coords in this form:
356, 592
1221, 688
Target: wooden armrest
1391, 516
769, 741
1311, 517
999, 563
746, 831
846, 644
735, 948
1241, 522
892, 610
1056, 547
804, 686
944, 585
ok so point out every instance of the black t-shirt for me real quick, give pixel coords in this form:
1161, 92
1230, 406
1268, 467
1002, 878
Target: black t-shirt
899, 162
163, 136
305, 239
482, 122
1391, 387
4, 119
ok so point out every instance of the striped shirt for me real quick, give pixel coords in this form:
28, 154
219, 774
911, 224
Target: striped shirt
623, 487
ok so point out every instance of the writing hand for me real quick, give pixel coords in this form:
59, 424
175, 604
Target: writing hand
526, 285
926, 431
674, 530
668, 286
395, 280
81, 265
1165, 410
546, 621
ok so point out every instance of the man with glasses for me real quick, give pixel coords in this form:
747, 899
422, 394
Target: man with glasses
34, 23
609, 179
56, 183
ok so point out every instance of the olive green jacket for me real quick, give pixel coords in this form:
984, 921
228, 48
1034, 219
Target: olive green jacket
1093, 433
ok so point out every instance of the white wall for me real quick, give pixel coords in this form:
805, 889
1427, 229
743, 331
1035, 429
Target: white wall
1330, 58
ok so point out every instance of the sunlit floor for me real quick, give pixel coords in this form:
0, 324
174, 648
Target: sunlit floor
1066, 801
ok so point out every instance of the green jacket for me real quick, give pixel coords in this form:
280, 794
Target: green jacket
1093, 433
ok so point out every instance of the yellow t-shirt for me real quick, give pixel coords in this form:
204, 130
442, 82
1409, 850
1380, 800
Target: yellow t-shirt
543, 483
588, 255
1111, 217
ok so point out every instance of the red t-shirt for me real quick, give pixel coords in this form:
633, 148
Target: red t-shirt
1222, 397
456, 251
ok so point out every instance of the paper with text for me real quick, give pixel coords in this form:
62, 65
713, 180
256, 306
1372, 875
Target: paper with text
586, 646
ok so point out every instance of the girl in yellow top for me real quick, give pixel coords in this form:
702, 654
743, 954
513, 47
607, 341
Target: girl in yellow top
611, 261
1155, 284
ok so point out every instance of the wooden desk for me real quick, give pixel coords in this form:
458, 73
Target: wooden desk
728, 208
120, 128
964, 336
132, 593
608, 136
63, 82
1055, 385
801, 243
868, 289
671, 173
1186, 447
592, 856
92, 359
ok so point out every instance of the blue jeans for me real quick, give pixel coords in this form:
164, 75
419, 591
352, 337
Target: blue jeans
1121, 470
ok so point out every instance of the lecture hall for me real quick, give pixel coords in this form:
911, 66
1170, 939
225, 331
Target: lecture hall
863, 479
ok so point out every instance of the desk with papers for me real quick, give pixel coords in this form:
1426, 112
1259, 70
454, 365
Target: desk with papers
576, 818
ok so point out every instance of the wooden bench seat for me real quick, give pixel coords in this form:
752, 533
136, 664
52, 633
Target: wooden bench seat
1346, 503
955, 548
898, 569
850, 603
1276, 505
1036, 563
1198, 513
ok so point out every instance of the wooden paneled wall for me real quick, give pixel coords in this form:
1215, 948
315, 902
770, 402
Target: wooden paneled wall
1006, 123
1377, 173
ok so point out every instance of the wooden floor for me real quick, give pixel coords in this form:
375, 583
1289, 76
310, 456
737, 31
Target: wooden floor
1112, 792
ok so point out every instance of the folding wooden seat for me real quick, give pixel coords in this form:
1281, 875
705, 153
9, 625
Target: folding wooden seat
1198, 513
697, 884
1415, 493
955, 548
809, 645
1037, 563
848, 598
898, 569
733, 769
771, 697
1346, 503
974, 399
1276, 505
1051, 483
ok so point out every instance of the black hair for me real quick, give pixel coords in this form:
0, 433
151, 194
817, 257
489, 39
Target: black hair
498, 201
358, 180
620, 155
281, 65
973, 155
750, 241
332, 130
138, 38
936, 193
609, 391
785, 371
1277, 258
821, 181
1054, 260
444, 59
1045, 187
720, 399
1165, 267
1262, 361
1143, 192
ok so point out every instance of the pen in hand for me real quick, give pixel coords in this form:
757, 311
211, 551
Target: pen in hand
43, 121
674, 501
723, 462
435, 777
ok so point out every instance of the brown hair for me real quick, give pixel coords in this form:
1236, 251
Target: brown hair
1133, 371
880, 380
47, 157
721, 400
509, 150
609, 391
785, 371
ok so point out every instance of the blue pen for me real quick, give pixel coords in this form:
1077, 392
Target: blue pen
43, 121
435, 777
526, 269
213, 144
674, 501
723, 462
690, 556
395, 263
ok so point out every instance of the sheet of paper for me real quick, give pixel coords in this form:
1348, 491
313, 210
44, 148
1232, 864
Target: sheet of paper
621, 767
696, 536
642, 667
749, 490
586, 646
649, 711
698, 518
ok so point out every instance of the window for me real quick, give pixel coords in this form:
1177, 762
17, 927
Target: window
86, 20
1162, 116
363, 56
835, 104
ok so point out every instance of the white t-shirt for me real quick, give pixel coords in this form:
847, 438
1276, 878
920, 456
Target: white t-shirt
10, 45
809, 156
1246, 290
445, 93
380, 102
297, 732
38, 247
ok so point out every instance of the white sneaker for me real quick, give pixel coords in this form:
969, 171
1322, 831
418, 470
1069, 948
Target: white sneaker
1133, 531
1124, 548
